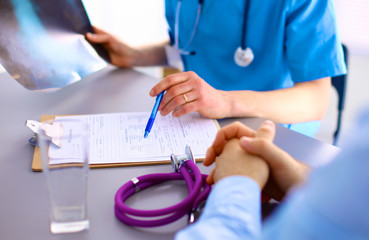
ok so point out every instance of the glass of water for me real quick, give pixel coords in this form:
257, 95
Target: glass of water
64, 148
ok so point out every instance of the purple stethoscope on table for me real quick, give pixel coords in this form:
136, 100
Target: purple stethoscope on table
185, 168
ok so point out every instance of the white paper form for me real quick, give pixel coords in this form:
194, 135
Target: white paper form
71, 147
118, 137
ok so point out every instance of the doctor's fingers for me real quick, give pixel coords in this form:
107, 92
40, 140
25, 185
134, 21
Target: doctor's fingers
234, 130
99, 30
174, 79
185, 109
177, 96
99, 38
180, 105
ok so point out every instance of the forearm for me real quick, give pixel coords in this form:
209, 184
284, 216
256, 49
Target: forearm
152, 55
306, 101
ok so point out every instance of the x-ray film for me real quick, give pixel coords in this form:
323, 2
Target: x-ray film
42, 43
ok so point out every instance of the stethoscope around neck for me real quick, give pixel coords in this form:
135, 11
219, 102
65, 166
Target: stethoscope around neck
243, 55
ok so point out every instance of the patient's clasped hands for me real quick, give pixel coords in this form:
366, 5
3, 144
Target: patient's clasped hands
239, 150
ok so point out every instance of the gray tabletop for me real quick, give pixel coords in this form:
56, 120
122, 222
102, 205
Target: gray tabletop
24, 209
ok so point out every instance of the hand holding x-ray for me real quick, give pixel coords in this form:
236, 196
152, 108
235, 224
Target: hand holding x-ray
42, 43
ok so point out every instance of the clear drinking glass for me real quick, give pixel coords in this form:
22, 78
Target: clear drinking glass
64, 152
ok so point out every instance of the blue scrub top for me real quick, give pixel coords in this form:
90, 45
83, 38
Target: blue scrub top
292, 41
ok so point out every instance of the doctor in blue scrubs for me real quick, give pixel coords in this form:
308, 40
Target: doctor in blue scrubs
245, 58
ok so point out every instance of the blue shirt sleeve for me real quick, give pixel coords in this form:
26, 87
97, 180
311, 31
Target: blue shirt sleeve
333, 204
232, 211
313, 48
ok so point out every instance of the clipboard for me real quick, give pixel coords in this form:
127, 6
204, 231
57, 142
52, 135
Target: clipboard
37, 161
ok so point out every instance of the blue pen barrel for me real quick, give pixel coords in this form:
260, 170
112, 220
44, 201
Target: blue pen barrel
149, 124
156, 106
153, 114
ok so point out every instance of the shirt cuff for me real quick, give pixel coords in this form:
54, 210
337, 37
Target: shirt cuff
232, 211
233, 194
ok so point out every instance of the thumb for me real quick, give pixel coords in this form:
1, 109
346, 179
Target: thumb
266, 130
210, 178
98, 30
97, 38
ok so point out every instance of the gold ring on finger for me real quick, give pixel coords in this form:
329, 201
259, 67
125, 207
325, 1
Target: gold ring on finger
185, 98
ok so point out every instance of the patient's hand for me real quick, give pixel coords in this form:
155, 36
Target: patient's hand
234, 161
285, 171
229, 157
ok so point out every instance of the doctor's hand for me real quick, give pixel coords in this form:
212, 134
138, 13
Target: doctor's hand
230, 159
285, 171
186, 92
120, 53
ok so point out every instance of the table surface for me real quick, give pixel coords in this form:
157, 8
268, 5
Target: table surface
24, 209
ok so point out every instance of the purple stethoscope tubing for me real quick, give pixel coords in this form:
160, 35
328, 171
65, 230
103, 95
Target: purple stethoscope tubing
197, 188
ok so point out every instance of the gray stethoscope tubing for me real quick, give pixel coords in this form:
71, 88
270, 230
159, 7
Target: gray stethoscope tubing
176, 28
243, 55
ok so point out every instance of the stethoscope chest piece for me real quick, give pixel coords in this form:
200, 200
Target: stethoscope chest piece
178, 160
243, 57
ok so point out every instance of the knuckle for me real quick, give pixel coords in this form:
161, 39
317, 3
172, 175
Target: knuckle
198, 82
177, 101
187, 84
167, 96
237, 124
187, 108
191, 73
175, 91
262, 144
170, 80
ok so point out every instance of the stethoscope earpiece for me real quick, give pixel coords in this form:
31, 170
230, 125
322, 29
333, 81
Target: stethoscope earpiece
243, 57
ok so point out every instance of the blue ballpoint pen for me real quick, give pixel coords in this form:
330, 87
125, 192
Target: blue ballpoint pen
153, 114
